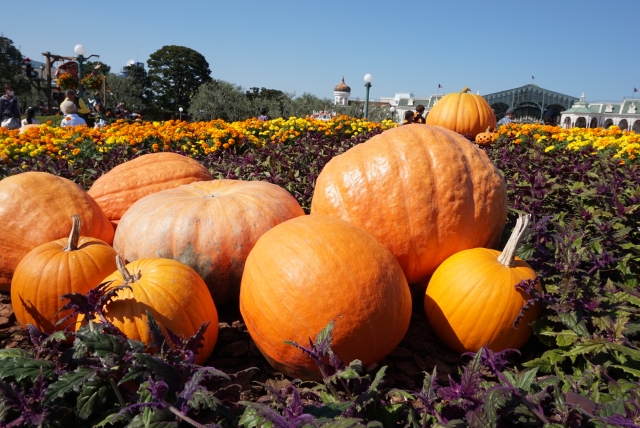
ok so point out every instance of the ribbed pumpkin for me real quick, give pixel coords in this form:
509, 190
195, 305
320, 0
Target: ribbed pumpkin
210, 226
311, 270
424, 191
35, 208
464, 113
172, 292
119, 188
70, 265
471, 300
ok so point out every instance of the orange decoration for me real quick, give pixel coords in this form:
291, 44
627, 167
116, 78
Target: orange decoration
119, 188
69, 265
311, 270
35, 208
471, 300
424, 191
466, 114
172, 292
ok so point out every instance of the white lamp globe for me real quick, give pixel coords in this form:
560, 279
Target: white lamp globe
131, 62
80, 50
392, 109
368, 78
180, 109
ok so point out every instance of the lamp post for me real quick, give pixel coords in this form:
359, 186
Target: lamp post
180, 110
367, 84
81, 51
392, 109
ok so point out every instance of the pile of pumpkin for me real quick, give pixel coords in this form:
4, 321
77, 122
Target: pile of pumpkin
418, 204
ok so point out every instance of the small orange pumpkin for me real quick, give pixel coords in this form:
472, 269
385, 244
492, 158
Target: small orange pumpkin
467, 114
486, 138
471, 300
311, 270
172, 292
69, 265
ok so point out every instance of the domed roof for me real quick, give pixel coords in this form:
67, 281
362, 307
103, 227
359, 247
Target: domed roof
342, 87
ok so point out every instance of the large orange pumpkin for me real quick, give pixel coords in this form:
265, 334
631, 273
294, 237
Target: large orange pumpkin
311, 270
424, 191
210, 226
35, 208
69, 265
172, 292
467, 114
471, 300
119, 188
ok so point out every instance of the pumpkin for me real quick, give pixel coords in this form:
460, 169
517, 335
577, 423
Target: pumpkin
119, 188
35, 208
70, 265
210, 226
471, 300
311, 270
467, 114
486, 138
424, 191
172, 292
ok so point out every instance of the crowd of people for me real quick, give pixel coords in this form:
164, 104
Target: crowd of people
73, 107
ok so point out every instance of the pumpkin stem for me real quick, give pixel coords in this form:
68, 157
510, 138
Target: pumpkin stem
508, 255
488, 129
465, 90
126, 275
74, 236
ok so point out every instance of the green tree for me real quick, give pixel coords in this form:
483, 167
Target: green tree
218, 99
89, 66
11, 68
141, 79
175, 74
124, 89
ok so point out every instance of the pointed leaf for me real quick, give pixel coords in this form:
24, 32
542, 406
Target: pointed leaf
25, 368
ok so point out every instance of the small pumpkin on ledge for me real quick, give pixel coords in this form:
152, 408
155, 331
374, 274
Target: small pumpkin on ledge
486, 138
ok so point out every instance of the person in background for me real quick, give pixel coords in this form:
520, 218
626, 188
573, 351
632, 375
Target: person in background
508, 117
408, 117
263, 115
418, 117
71, 118
81, 107
29, 118
96, 101
9, 109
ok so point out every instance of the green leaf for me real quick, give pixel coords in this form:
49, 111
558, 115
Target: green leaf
633, 353
346, 423
570, 319
547, 361
629, 370
327, 412
615, 407
525, 379
162, 370
251, 419
13, 352
69, 382
587, 347
21, 368
102, 345
93, 397
158, 418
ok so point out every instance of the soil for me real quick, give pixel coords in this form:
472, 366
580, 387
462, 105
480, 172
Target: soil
419, 351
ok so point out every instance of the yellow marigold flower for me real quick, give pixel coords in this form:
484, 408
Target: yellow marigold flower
548, 149
75, 152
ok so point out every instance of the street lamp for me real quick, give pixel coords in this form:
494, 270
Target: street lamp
367, 84
81, 51
180, 110
392, 109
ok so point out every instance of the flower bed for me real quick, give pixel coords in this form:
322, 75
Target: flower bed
581, 368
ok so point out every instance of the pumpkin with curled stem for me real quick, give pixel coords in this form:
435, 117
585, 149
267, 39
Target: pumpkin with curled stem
311, 270
467, 114
486, 138
471, 300
172, 292
69, 265
424, 191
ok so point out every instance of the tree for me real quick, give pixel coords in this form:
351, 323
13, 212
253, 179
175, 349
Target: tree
142, 81
175, 74
218, 99
11, 67
89, 66
124, 89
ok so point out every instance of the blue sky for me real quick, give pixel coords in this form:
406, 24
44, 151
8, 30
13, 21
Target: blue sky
570, 46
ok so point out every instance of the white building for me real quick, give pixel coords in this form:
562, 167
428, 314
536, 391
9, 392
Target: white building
341, 93
625, 114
